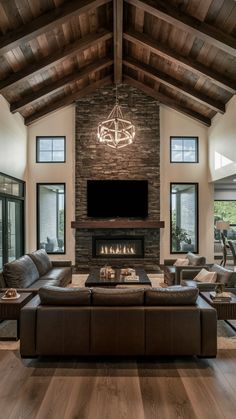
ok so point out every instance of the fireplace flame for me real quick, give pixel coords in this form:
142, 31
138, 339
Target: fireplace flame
118, 249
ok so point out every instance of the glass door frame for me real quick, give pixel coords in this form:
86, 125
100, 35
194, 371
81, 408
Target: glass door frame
5, 198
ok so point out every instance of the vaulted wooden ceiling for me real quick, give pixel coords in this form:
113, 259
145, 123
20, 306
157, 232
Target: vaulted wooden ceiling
181, 52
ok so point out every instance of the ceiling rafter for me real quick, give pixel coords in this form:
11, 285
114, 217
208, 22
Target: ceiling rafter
175, 84
166, 100
118, 39
57, 85
194, 66
178, 18
46, 22
78, 46
68, 100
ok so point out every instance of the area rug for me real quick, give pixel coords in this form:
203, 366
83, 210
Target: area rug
226, 336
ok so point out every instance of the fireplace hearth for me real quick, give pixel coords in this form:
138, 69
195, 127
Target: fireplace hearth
118, 247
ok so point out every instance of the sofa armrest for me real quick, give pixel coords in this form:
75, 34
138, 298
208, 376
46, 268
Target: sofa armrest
208, 329
179, 269
2, 281
169, 262
61, 263
28, 319
190, 273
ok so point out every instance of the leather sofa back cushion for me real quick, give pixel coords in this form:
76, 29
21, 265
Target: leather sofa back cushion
51, 295
117, 297
195, 260
224, 276
41, 260
21, 273
172, 296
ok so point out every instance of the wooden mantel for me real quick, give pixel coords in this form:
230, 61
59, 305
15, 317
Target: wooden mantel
90, 224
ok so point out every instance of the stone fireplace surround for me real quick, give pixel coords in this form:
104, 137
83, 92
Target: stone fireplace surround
137, 161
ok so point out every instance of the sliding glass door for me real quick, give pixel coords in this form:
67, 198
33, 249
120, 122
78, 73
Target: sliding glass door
11, 219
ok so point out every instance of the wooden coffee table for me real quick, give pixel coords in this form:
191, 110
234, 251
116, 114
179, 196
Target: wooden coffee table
94, 279
225, 311
10, 310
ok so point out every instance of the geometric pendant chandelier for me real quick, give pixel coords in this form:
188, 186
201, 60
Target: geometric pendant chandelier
115, 131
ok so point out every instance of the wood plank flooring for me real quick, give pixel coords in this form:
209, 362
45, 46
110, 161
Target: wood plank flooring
78, 388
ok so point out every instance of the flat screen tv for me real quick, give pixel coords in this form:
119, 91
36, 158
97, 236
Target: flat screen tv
117, 198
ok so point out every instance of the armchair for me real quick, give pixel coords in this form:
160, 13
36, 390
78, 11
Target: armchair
172, 272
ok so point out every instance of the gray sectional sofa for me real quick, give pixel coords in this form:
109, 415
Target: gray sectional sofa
34, 270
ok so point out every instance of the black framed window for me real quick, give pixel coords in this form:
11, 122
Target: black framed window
51, 217
184, 149
184, 217
51, 149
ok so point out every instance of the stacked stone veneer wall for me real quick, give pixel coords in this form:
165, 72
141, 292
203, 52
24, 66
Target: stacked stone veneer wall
137, 161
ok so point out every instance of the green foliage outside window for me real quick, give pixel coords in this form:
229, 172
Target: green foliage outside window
225, 210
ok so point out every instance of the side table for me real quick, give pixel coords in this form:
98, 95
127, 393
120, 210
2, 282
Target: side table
10, 310
225, 311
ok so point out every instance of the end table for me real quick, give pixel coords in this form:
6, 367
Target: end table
10, 310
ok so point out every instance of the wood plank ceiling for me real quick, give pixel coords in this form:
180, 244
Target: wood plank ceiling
181, 52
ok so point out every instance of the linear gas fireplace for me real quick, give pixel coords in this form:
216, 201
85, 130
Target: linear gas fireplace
118, 247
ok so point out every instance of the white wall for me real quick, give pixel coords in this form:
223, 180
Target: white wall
13, 142
173, 123
222, 140
61, 122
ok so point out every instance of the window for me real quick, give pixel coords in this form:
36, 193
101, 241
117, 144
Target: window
50, 149
184, 149
51, 217
225, 210
184, 217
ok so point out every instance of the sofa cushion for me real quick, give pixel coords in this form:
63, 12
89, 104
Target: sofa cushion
61, 274
41, 260
195, 260
65, 296
117, 297
224, 276
42, 283
171, 296
20, 273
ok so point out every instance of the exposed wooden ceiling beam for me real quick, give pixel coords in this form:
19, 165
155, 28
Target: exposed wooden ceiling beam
147, 42
175, 84
46, 22
211, 34
53, 59
57, 85
68, 100
168, 101
118, 38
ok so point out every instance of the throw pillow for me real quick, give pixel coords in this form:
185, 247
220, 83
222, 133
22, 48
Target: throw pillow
195, 260
181, 262
206, 276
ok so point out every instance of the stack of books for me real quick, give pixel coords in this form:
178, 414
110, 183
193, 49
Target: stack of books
223, 297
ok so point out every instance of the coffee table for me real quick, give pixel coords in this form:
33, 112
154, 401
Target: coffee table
225, 311
94, 279
10, 310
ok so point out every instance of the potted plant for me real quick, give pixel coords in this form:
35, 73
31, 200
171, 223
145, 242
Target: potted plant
181, 241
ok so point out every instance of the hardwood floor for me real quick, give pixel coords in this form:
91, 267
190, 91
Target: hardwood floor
76, 388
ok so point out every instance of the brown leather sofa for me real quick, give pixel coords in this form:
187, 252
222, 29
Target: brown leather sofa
100, 321
224, 276
32, 271
172, 272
